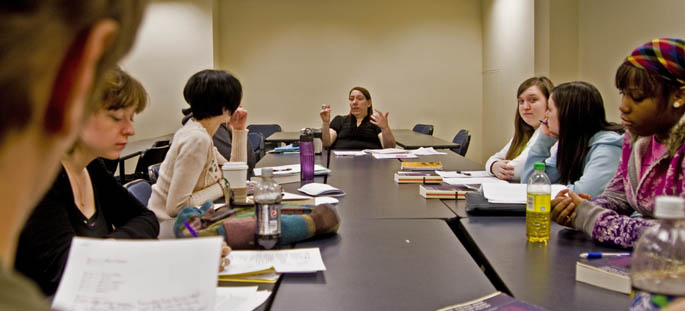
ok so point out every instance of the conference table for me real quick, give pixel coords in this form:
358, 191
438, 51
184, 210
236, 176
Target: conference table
395, 250
404, 138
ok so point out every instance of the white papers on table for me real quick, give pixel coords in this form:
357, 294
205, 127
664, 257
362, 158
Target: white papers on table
292, 169
342, 153
511, 193
140, 275
426, 151
463, 174
315, 189
385, 151
239, 298
325, 200
394, 156
299, 260
287, 196
473, 181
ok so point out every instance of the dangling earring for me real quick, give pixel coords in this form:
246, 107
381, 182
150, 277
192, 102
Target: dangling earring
677, 104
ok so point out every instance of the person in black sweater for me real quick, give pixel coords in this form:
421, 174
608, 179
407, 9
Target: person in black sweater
361, 129
85, 200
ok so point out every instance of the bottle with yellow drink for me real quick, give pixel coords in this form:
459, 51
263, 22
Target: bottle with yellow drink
538, 205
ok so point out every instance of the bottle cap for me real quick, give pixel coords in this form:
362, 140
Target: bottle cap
267, 172
539, 166
669, 207
306, 134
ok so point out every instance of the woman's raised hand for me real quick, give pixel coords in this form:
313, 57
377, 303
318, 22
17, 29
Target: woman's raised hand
379, 119
238, 119
325, 113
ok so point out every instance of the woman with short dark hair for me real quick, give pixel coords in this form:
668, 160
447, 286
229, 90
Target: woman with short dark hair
191, 171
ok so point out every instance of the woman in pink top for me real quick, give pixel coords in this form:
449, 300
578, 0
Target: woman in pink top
652, 84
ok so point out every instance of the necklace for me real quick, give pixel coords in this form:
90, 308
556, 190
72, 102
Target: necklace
82, 190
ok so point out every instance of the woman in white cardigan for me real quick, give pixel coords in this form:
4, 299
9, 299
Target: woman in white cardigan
191, 172
532, 98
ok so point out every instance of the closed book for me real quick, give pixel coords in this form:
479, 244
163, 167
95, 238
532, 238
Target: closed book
417, 178
421, 166
612, 273
493, 302
443, 191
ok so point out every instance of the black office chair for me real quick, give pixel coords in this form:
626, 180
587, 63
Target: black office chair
110, 165
257, 142
266, 130
423, 129
148, 157
463, 138
140, 189
153, 172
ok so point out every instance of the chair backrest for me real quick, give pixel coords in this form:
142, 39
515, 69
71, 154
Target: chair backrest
153, 172
463, 138
140, 189
265, 129
149, 157
110, 165
257, 142
423, 129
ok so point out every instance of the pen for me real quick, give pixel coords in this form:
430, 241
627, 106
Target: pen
464, 173
282, 169
544, 122
600, 255
192, 231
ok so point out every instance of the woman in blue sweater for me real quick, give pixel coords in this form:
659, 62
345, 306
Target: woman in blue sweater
589, 146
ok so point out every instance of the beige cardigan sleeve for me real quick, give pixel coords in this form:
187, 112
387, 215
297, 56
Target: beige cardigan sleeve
188, 166
239, 146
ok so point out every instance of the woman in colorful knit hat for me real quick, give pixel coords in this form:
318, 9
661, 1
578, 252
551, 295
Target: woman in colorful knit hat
652, 84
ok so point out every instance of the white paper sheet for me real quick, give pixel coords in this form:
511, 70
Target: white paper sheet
426, 151
386, 151
292, 169
511, 193
325, 200
473, 181
287, 196
463, 174
299, 260
140, 275
315, 189
394, 156
342, 153
243, 298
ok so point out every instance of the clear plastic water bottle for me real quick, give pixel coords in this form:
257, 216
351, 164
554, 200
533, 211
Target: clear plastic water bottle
306, 155
267, 198
538, 205
657, 271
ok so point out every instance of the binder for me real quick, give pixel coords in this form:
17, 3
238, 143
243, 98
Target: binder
477, 204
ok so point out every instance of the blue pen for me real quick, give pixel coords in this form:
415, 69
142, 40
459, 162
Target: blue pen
192, 231
600, 255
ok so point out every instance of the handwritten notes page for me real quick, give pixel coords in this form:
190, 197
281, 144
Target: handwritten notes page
104, 275
300, 260
239, 298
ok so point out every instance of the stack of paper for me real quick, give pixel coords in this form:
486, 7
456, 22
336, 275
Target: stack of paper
342, 153
426, 151
140, 275
511, 193
468, 177
385, 151
300, 260
285, 174
315, 189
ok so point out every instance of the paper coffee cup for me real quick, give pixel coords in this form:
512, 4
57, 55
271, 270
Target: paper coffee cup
235, 173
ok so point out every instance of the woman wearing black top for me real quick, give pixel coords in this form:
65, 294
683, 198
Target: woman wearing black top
361, 129
85, 200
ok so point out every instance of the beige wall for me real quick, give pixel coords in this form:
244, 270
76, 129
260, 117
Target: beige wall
174, 42
420, 60
610, 29
508, 59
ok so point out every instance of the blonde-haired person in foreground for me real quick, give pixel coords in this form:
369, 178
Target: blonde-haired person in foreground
52, 55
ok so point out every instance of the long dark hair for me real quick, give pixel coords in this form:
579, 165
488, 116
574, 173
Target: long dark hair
580, 110
523, 131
